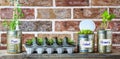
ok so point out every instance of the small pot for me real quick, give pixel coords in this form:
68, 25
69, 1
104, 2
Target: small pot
29, 49
59, 50
40, 50
70, 50
49, 50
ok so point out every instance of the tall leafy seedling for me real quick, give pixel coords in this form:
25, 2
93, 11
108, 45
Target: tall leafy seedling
106, 18
17, 14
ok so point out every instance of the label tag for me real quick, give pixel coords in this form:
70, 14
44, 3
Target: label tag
86, 44
105, 42
15, 41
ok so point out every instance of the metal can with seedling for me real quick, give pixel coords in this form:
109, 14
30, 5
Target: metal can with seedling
14, 44
86, 43
104, 41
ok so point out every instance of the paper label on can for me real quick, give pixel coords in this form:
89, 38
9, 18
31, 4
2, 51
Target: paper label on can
86, 44
15, 41
105, 42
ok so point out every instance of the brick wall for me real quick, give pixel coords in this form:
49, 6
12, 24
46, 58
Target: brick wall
59, 18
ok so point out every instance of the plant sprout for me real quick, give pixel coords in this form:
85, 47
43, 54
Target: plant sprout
106, 18
17, 14
85, 32
39, 41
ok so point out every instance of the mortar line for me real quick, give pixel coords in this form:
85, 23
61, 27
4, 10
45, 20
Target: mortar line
90, 3
63, 7
54, 3
53, 26
72, 12
35, 13
62, 19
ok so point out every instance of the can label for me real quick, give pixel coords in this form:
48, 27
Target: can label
105, 42
14, 41
86, 44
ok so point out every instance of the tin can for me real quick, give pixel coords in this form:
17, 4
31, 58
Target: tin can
14, 44
104, 41
86, 43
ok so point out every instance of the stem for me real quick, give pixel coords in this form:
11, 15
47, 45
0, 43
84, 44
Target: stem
107, 24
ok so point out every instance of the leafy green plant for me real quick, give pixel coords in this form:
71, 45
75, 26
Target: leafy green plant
29, 42
59, 41
17, 14
106, 18
70, 41
50, 42
39, 41
85, 32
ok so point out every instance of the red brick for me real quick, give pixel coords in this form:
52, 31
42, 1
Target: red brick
59, 13
3, 47
67, 26
88, 13
115, 11
54, 35
105, 2
116, 49
72, 2
3, 38
28, 13
36, 2
6, 13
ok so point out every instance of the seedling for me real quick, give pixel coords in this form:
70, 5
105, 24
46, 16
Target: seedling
106, 18
85, 32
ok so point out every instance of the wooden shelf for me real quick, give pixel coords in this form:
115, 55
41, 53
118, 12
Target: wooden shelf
5, 55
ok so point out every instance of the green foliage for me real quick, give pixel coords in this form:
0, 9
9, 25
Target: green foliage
50, 41
40, 41
106, 18
17, 14
29, 42
85, 32
70, 41
59, 41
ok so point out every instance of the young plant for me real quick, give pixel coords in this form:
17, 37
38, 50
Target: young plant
29, 42
17, 14
59, 41
70, 41
40, 41
85, 32
106, 18
50, 41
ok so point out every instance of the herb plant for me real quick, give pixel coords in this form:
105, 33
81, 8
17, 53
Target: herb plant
39, 41
106, 18
70, 41
29, 42
50, 42
17, 14
85, 32
59, 41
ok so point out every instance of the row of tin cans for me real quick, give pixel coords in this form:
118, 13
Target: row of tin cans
86, 43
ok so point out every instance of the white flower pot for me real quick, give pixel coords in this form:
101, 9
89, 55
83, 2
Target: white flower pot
40, 50
49, 50
29, 50
59, 50
70, 50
